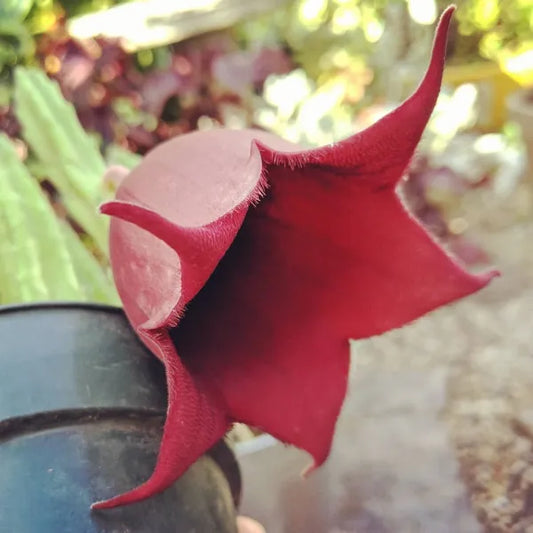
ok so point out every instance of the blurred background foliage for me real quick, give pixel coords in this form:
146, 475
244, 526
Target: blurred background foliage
77, 97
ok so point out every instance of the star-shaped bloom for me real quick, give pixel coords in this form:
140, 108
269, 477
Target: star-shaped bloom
245, 264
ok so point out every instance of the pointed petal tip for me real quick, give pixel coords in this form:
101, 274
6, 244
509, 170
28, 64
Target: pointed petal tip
449, 11
392, 139
111, 503
136, 495
147, 219
119, 209
98, 506
308, 470
318, 458
441, 33
487, 277
106, 208
444, 20
123, 210
482, 279
314, 465
149, 488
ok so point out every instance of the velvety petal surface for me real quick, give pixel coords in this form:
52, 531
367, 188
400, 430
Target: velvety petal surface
246, 265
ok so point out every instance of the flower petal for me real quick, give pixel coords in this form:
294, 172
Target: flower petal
188, 401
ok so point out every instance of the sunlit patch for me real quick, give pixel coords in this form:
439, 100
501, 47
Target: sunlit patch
312, 12
345, 19
423, 11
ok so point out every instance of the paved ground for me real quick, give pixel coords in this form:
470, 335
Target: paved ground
490, 400
484, 345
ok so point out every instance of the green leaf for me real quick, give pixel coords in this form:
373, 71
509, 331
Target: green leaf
35, 264
95, 284
16, 43
41, 257
66, 152
15, 9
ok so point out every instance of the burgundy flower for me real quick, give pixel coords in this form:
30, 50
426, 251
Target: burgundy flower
245, 264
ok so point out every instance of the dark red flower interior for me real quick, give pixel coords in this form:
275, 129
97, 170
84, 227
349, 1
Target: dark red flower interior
246, 264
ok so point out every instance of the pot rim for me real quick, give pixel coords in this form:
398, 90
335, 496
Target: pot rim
60, 304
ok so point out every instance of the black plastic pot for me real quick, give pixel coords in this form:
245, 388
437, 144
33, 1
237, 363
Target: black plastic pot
81, 411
